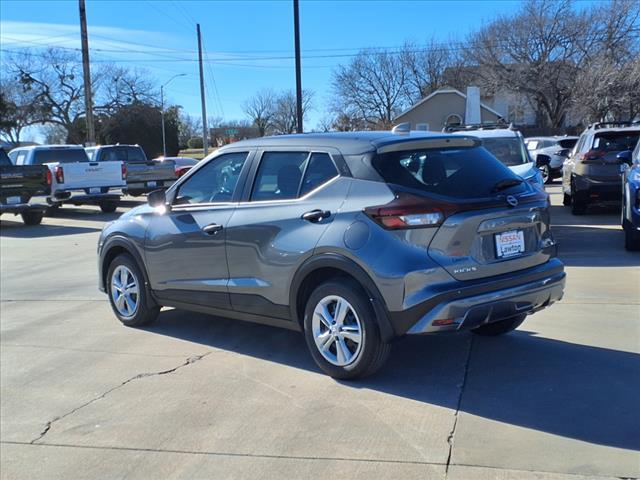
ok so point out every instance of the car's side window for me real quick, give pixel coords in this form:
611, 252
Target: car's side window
214, 182
279, 176
320, 169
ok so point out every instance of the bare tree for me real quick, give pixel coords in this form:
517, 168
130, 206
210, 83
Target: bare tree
284, 117
372, 86
54, 78
261, 110
425, 67
533, 53
18, 110
188, 127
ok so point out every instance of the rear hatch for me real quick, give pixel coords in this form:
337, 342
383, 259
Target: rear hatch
600, 163
488, 220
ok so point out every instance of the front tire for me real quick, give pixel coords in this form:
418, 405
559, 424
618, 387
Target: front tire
500, 327
341, 331
32, 218
128, 294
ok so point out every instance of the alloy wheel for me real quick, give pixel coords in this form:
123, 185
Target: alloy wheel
337, 330
125, 291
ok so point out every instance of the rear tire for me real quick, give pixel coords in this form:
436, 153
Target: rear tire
355, 333
500, 327
631, 237
108, 207
128, 294
546, 174
32, 218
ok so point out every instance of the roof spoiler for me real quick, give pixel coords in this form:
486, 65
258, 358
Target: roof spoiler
452, 141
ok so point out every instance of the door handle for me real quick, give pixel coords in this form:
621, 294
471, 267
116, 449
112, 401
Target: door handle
212, 229
315, 216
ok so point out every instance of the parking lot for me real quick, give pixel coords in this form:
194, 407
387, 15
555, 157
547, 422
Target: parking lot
195, 396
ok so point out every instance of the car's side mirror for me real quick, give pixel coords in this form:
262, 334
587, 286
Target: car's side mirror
624, 157
157, 198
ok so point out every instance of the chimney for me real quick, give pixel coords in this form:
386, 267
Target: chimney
472, 110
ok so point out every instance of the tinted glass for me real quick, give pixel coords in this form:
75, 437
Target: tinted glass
136, 155
615, 141
214, 182
509, 150
67, 155
320, 169
4, 158
532, 144
568, 142
113, 154
279, 175
460, 173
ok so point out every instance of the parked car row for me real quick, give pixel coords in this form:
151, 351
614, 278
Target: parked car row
600, 167
38, 179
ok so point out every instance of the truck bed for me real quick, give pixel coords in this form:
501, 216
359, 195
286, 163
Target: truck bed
19, 183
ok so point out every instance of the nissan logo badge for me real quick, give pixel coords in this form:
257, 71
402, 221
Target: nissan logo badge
511, 200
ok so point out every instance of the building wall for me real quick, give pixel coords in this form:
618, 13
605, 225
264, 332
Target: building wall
436, 110
515, 108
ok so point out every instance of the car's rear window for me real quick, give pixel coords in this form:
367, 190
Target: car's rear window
453, 172
568, 142
509, 150
616, 141
66, 155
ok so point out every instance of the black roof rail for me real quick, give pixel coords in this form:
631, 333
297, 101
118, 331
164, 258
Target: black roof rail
478, 126
599, 125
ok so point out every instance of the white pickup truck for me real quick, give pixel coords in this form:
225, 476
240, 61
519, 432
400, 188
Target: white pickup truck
75, 179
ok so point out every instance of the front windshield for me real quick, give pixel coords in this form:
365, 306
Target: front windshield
509, 150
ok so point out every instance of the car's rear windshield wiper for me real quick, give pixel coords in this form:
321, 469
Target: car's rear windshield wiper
505, 183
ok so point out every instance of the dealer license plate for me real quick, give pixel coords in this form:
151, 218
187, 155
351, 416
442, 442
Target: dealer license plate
95, 190
509, 244
152, 184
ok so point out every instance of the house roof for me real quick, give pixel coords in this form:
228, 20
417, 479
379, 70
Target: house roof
446, 90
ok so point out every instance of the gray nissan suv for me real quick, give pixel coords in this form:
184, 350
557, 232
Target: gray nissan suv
354, 239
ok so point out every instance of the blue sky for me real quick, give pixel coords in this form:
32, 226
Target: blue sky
244, 40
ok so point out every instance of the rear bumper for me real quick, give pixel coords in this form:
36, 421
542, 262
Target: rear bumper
143, 186
467, 304
471, 312
80, 197
22, 207
594, 191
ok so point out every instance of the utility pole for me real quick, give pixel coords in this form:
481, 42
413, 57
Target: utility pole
296, 34
205, 127
86, 72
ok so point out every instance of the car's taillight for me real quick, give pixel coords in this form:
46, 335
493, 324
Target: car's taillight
59, 175
49, 177
124, 171
181, 171
593, 156
410, 211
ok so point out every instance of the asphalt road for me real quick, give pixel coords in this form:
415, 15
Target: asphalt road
202, 397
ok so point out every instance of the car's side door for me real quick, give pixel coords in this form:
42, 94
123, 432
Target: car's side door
185, 246
292, 197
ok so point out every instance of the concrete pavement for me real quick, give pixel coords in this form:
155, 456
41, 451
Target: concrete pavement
194, 396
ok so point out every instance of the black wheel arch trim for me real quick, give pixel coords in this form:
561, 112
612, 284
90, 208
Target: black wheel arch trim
128, 245
348, 266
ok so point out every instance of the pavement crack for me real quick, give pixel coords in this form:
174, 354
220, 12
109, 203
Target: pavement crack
189, 361
452, 433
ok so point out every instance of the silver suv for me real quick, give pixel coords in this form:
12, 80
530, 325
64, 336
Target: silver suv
353, 238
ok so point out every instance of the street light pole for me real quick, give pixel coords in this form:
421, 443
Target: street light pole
164, 141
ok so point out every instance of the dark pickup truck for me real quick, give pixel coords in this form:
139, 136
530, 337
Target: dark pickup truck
18, 187
143, 175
